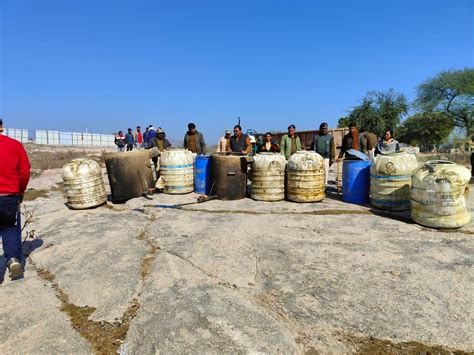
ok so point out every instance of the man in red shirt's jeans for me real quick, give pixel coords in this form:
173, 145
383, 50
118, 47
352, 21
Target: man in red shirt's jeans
14, 177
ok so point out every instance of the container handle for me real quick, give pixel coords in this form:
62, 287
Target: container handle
231, 173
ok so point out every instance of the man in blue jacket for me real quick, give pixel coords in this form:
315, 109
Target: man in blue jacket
130, 140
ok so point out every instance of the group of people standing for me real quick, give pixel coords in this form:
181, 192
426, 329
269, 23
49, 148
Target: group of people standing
368, 142
152, 137
247, 144
362, 141
239, 142
156, 137
323, 143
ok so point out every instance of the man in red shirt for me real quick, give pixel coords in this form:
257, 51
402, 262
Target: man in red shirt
138, 137
14, 177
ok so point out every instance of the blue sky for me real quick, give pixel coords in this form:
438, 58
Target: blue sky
114, 64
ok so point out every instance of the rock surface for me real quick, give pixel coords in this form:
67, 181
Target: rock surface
308, 272
31, 323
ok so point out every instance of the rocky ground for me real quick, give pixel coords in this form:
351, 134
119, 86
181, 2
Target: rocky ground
234, 276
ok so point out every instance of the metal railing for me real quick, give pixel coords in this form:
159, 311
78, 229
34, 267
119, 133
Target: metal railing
76, 139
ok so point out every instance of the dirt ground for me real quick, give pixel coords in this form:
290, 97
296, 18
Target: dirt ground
232, 276
55, 157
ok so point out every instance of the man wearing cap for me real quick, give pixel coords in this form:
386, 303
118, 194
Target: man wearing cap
160, 141
224, 142
290, 143
194, 140
323, 144
14, 177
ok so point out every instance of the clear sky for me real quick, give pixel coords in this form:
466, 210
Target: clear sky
114, 64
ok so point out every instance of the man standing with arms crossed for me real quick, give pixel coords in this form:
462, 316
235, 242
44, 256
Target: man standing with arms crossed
323, 144
14, 177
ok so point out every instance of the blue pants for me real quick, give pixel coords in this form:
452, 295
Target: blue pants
10, 226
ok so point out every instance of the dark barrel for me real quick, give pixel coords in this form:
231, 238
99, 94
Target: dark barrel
229, 176
129, 174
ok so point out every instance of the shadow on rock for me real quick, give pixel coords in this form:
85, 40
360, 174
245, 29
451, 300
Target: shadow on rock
31, 245
401, 216
331, 193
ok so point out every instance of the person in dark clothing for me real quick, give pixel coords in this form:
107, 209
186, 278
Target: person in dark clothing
120, 141
371, 139
269, 145
239, 142
352, 140
129, 139
151, 137
471, 158
323, 144
194, 140
146, 142
158, 141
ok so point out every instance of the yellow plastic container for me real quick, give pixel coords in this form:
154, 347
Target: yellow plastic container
268, 177
177, 171
390, 181
84, 184
305, 177
438, 195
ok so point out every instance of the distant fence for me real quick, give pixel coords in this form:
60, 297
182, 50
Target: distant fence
61, 138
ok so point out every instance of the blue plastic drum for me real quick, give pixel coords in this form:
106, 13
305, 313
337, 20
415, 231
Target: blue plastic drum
202, 174
356, 181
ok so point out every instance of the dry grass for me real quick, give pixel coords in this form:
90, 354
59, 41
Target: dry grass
147, 261
44, 160
104, 337
33, 194
371, 345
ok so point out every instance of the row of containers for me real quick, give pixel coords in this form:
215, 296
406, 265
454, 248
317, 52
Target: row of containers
436, 191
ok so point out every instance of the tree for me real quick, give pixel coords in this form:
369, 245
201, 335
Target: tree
378, 111
343, 122
450, 92
426, 129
